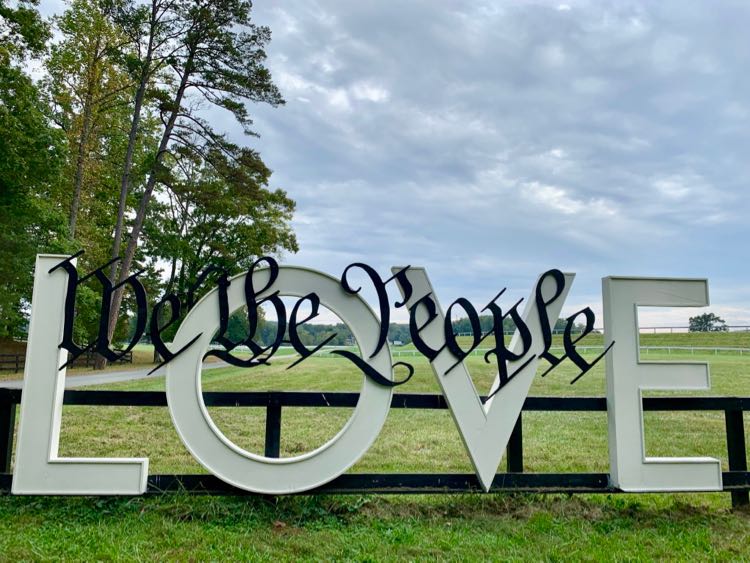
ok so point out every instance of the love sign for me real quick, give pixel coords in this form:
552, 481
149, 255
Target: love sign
484, 426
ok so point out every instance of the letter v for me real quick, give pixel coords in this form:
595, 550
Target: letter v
484, 428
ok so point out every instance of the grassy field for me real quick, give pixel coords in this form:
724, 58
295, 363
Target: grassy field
706, 339
384, 527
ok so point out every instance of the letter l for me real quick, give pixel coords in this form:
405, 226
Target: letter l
39, 470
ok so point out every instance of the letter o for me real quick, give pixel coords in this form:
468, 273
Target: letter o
257, 473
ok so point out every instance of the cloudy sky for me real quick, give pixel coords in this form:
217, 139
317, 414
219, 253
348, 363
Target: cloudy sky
492, 141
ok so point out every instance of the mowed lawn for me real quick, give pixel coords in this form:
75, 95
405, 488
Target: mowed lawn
476, 526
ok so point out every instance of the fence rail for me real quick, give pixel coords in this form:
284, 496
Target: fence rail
16, 362
715, 350
643, 329
12, 362
736, 481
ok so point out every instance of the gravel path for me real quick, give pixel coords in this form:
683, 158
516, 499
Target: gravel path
107, 377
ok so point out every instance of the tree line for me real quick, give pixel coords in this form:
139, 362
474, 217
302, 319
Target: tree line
310, 334
111, 148
314, 334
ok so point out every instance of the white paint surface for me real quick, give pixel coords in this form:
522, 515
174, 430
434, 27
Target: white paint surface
254, 472
627, 377
39, 470
484, 428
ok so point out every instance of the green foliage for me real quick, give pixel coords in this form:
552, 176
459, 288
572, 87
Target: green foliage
224, 52
707, 322
463, 326
399, 333
31, 155
22, 30
211, 52
90, 95
310, 334
313, 334
220, 215
220, 210
112, 121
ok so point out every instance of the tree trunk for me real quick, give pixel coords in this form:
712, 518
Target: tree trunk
101, 362
128, 165
140, 217
127, 168
80, 158
83, 142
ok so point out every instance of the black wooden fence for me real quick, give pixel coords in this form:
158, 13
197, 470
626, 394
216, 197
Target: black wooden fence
736, 481
16, 362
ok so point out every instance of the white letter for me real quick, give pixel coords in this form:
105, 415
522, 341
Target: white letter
628, 376
38, 469
250, 471
485, 428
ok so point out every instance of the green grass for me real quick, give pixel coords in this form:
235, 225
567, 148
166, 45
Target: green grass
686, 526
368, 528
723, 339
412, 440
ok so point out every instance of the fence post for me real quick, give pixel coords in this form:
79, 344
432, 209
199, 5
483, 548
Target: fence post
514, 452
736, 451
273, 426
7, 427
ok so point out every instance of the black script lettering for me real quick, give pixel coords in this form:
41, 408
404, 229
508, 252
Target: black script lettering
415, 329
476, 330
101, 344
501, 352
383, 305
385, 319
141, 300
253, 303
198, 283
294, 338
544, 320
155, 330
223, 284
67, 342
570, 343
371, 372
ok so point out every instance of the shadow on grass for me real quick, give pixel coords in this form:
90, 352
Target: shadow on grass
300, 511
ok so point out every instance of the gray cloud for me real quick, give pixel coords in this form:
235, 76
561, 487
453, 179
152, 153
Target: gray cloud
489, 142
492, 141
